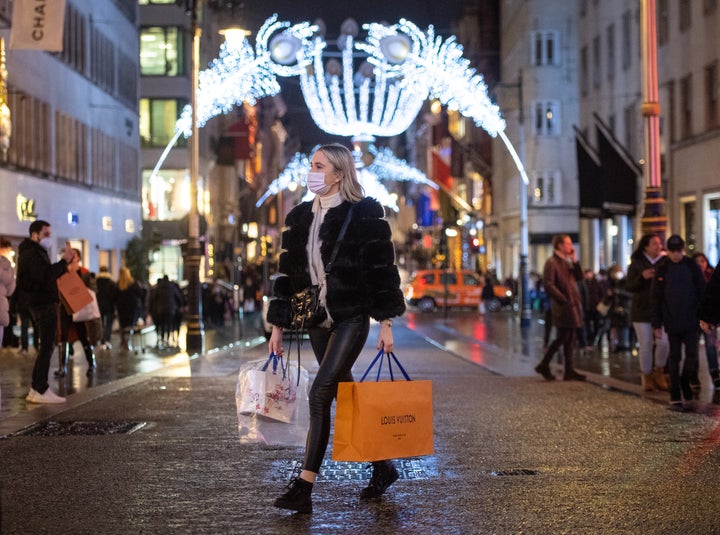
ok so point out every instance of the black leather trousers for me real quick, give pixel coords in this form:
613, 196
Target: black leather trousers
336, 350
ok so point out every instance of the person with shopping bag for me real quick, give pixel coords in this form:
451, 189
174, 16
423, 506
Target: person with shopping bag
336, 271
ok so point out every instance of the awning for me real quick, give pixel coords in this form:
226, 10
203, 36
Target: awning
590, 178
620, 173
608, 177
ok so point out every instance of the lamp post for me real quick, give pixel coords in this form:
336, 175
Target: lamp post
525, 305
653, 220
194, 340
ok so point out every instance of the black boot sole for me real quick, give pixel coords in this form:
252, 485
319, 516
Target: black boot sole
306, 509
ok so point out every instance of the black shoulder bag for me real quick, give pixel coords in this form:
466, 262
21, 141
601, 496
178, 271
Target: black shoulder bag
305, 305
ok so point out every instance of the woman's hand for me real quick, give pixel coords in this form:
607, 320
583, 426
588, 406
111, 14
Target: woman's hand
275, 344
705, 327
385, 338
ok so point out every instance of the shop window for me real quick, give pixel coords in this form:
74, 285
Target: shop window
684, 18
161, 51
611, 52
663, 22
688, 224
711, 96
157, 121
545, 188
166, 195
544, 48
686, 107
546, 117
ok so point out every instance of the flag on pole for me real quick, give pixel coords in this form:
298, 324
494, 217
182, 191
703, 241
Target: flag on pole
38, 25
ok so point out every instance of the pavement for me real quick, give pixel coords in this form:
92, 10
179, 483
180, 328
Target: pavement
158, 451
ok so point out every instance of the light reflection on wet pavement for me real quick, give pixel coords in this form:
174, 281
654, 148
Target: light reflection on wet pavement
496, 342
113, 364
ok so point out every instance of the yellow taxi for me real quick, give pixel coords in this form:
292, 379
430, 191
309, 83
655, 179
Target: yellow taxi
428, 288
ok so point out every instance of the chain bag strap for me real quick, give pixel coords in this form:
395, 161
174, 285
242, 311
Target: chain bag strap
306, 304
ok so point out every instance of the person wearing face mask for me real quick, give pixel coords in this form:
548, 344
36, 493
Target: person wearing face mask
37, 276
364, 285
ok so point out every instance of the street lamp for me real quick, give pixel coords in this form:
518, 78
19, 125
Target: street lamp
525, 305
194, 340
653, 220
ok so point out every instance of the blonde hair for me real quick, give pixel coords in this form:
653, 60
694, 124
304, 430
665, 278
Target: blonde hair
342, 160
125, 280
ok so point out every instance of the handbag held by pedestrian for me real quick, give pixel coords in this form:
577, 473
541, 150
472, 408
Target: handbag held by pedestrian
305, 306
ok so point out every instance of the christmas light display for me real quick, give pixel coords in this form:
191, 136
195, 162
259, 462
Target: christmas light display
408, 67
404, 67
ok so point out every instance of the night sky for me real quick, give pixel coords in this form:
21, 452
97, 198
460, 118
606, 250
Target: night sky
421, 12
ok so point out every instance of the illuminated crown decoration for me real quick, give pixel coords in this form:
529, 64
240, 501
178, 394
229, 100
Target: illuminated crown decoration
404, 67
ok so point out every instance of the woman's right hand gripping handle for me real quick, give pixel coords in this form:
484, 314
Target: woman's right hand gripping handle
275, 344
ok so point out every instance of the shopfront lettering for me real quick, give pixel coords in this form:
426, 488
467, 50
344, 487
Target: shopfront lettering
38, 28
25, 208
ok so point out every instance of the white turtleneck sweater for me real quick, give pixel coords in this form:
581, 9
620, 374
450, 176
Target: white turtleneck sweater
321, 205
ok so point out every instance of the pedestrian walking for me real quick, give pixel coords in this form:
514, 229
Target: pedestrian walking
107, 293
71, 330
37, 276
652, 352
560, 278
7, 286
366, 285
592, 295
677, 288
130, 304
709, 338
20, 304
165, 300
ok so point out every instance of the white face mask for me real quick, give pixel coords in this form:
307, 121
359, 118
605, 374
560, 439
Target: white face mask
46, 242
316, 183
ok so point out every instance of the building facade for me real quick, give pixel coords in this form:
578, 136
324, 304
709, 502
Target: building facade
690, 120
610, 91
537, 95
73, 157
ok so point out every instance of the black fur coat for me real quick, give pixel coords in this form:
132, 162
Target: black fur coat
364, 279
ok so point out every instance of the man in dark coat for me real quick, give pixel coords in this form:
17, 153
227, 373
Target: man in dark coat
676, 292
560, 278
37, 276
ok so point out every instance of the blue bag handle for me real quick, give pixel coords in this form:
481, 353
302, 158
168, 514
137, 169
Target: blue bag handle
275, 359
390, 357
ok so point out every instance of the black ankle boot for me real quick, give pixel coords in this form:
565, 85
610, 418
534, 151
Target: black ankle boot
297, 498
384, 474
544, 369
62, 361
90, 356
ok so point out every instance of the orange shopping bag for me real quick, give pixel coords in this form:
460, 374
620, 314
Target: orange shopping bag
74, 293
384, 419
